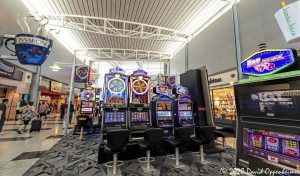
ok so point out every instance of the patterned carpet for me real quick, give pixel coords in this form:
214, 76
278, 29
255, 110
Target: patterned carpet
73, 157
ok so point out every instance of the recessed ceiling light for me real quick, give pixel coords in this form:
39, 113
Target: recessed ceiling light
55, 67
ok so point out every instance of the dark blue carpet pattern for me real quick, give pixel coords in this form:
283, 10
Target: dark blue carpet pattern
74, 157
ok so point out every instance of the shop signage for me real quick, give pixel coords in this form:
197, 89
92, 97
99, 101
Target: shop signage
6, 70
81, 74
30, 49
223, 78
268, 62
55, 86
288, 18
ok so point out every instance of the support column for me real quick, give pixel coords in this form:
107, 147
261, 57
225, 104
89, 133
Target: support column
186, 56
237, 40
71, 95
34, 87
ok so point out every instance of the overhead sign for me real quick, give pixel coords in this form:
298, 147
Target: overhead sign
288, 18
221, 79
268, 62
81, 74
6, 70
30, 49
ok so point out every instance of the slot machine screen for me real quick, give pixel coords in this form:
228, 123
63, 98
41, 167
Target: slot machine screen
274, 147
290, 148
272, 144
164, 106
86, 107
278, 100
164, 117
185, 106
139, 117
114, 117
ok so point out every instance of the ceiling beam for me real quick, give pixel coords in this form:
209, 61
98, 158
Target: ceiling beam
113, 27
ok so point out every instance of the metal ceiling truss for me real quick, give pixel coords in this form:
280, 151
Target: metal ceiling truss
113, 54
113, 27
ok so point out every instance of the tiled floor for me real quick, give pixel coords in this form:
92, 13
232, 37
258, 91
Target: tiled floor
18, 152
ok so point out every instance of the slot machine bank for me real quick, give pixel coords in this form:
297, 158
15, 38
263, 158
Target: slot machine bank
268, 106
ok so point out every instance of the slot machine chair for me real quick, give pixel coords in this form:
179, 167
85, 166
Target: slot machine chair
152, 137
205, 136
117, 141
182, 137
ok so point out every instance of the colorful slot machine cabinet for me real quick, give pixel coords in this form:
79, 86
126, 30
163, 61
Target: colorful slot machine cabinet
139, 101
115, 99
268, 108
162, 109
183, 107
87, 97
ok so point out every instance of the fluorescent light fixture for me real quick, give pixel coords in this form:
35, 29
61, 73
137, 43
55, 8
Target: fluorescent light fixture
55, 67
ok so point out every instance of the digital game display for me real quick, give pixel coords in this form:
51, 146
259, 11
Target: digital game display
276, 147
114, 117
86, 107
139, 117
164, 105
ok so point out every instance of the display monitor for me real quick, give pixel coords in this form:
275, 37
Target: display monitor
139, 117
86, 107
164, 118
114, 117
183, 106
275, 147
276, 101
164, 105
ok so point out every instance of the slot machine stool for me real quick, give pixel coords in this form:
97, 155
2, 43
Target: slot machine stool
152, 137
206, 136
182, 137
117, 141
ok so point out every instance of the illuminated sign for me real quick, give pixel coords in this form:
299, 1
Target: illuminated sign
181, 90
117, 70
140, 72
55, 86
268, 62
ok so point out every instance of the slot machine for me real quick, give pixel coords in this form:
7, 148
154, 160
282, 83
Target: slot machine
161, 107
183, 107
87, 97
115, 99
139, 101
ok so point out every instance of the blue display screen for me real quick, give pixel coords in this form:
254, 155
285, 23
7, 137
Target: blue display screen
267, 62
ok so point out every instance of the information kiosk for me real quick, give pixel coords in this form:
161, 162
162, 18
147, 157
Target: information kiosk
139, 101
183, 107
115, 99
161, 107
268, 113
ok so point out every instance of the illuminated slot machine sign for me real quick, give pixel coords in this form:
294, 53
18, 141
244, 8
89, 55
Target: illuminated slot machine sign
116, 88
185, 111
87, 97
164, 108
139, 88
275, 147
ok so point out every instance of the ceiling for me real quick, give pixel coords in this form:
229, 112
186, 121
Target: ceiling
186, 16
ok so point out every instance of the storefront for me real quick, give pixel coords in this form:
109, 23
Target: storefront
54, 93
14, 85
222, 97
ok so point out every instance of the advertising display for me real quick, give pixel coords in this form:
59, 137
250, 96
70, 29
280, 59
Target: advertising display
268, 62
81, 74
55, 86
171, 81
31, 49
6, 70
